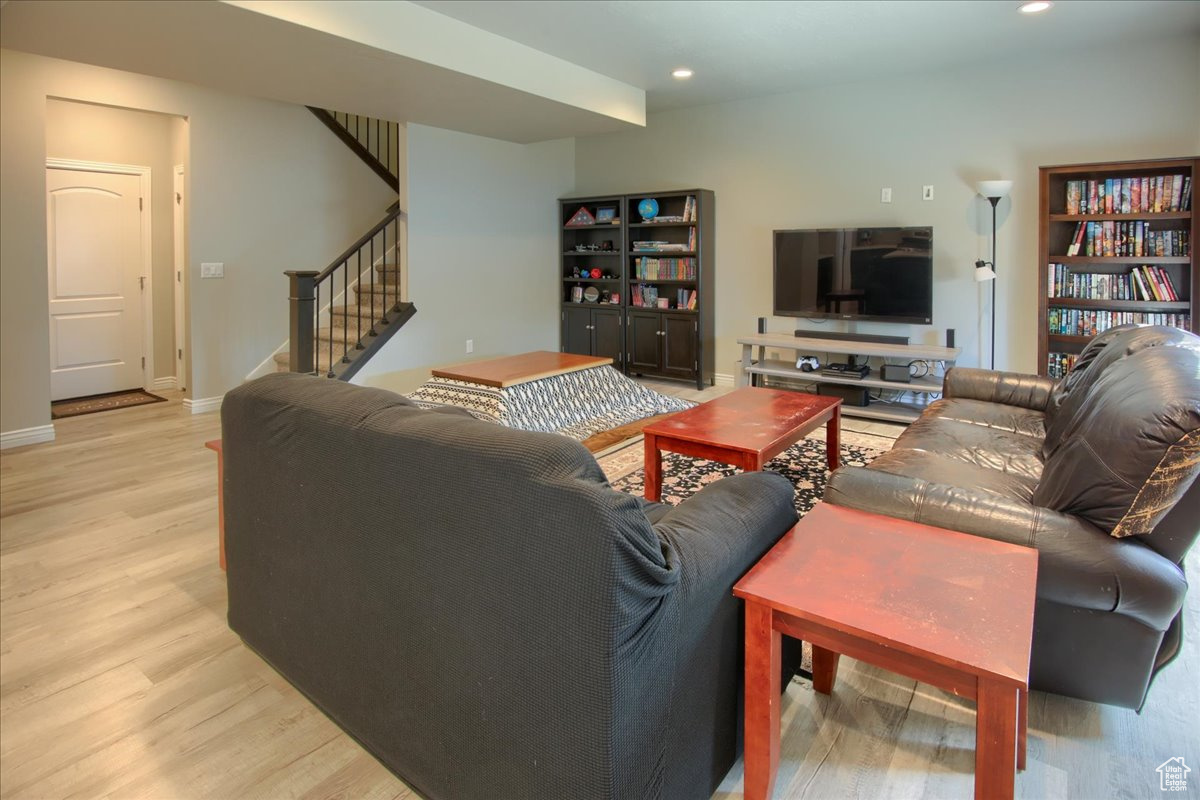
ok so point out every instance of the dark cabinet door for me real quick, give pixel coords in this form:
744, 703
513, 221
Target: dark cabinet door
645, 341
606, 334
576, 331
679, 345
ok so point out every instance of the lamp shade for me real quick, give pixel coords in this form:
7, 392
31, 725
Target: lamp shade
994, 188
984, 272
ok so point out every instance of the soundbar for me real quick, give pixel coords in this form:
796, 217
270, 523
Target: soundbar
878, 338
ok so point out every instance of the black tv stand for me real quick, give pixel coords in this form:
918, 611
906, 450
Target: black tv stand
876, 338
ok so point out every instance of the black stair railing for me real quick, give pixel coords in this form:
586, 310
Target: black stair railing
375, 141
355, 330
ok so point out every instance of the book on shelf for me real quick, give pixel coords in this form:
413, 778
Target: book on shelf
1077, 239
1089, 322
1124, 238
1144, 282
667, 269
1059, 364
659, 247
1134, 194
689, 209
644, 296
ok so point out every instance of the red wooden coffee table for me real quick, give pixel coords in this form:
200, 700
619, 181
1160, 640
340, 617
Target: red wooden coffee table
746, 428
945, 608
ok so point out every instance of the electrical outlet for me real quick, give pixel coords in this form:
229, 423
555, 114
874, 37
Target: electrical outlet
470, 345
885, 194
215, 270
927, 192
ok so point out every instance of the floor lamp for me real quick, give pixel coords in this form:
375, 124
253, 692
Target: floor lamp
994, 191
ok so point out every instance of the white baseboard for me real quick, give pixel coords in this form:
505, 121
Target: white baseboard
721, 379
24, 436
204, 404
164, 383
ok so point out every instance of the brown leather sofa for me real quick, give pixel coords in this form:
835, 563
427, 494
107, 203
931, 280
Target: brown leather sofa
1097, 471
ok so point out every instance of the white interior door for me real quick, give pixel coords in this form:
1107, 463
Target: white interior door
96, 281
180, 267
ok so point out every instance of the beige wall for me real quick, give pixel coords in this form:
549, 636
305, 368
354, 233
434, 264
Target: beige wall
270, 189
85, 132
482, 252
819, 159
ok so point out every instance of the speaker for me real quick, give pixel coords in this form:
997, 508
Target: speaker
949, 337
762, 324
851, 395
892, 372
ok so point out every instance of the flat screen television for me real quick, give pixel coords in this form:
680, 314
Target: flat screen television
871, 274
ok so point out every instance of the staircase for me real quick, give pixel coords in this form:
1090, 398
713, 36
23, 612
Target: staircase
342, 315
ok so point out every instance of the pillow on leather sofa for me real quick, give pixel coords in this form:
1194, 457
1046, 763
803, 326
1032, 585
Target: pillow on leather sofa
1075, 391
1131, 447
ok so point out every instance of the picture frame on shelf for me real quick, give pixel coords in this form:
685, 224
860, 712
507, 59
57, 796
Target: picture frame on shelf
577, 294
615, 298
605, 215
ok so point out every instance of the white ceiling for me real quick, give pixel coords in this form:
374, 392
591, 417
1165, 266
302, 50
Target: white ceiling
385, 60
530, 70
749, 48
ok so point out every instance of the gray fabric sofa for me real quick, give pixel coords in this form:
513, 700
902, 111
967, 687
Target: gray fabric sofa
476, 606
1097, 471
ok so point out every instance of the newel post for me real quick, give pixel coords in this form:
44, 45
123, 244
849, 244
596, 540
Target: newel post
302, 303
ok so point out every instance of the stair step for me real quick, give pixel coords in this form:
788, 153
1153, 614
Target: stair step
377, 289
335, 334
375, 309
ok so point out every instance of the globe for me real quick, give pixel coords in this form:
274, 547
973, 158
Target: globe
648, 208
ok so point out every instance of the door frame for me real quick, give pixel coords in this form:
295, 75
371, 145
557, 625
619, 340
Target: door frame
145, 224
179, 262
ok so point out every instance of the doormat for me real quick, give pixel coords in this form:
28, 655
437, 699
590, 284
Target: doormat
102, 402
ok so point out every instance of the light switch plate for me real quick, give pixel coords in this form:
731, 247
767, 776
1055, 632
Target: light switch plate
927, 192
885, 194
212, 270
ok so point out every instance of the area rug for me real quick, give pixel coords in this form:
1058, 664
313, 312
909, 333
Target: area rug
102, 402
803, 464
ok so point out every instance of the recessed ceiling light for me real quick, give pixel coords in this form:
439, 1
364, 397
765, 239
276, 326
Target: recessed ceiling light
1035, 7
683, 73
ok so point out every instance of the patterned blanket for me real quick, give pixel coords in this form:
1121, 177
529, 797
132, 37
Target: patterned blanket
576, 404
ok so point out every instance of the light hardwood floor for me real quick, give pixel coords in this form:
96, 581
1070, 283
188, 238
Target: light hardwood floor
120, 679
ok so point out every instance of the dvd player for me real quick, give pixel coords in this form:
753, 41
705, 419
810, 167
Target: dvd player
842, 370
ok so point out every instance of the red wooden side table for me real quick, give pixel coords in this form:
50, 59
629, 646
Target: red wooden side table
941, 607
746, 428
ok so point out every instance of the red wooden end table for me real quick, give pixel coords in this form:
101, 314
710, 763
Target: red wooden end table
215, 445
946, 608
746, 428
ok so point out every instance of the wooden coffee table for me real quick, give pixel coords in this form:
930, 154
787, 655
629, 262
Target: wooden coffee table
746, 428
512, 370
945, 608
